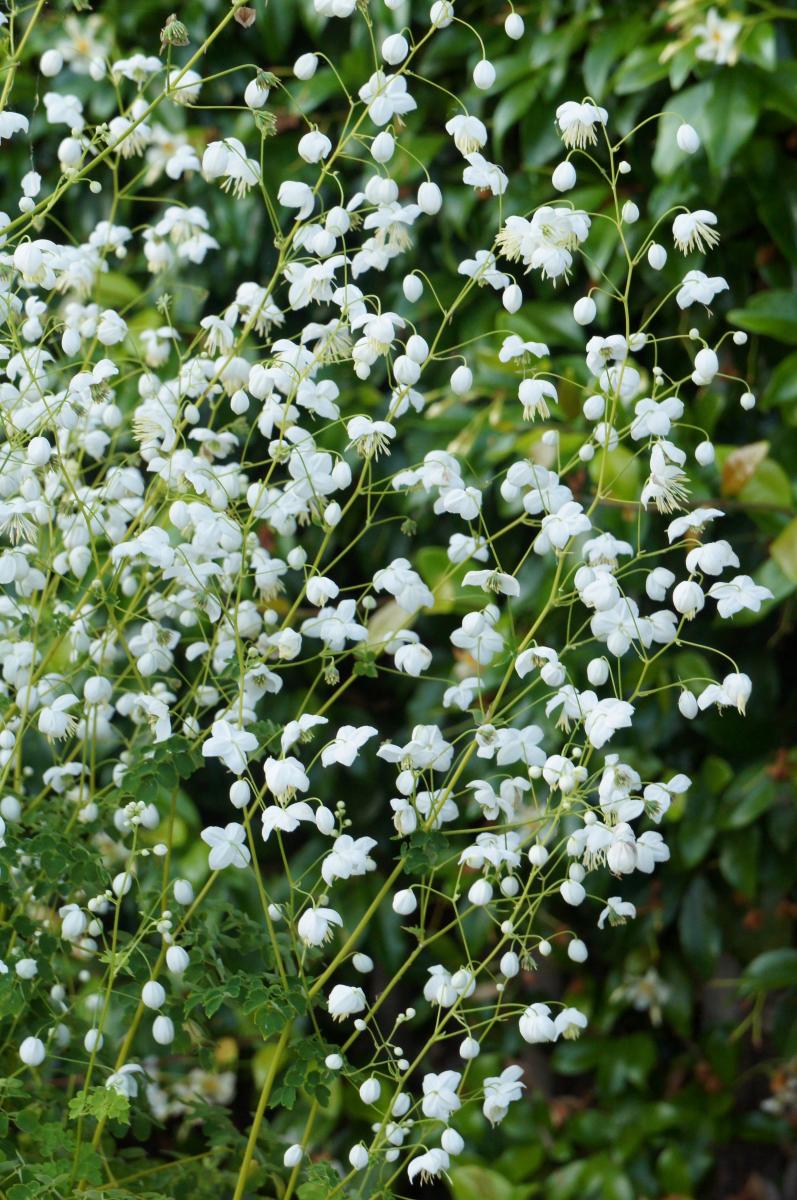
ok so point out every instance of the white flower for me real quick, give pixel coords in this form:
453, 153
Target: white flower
348, 741
558, 528
286, 820
284, 777
428, 1165
500, 1091
11, 123
405, 584
336, 626
316, 925
693, 230
439, 988
536, 1024
698, 288
314, 146
706, 367
468, 132
617, 912
345, 1001
440, 1099
386, 97
296, 195
230, 744
711, 558
718, 36
569, 1023
477, 635
492, 581
577, 122
124, 1080
605, 718
738, 594
733, 692
484, 175
666, 484
370, 438
347, 858
532, 394
227, 846
55, 720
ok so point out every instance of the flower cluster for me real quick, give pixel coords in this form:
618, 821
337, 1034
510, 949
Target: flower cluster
187, 499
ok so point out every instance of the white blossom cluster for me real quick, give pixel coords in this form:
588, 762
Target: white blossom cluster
179, 509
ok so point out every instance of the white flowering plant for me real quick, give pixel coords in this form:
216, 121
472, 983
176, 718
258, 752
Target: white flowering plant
412, 687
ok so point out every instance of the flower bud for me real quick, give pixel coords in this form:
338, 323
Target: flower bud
395, 49
404, 902
430, 198
183, 892
564, 177
512, 298
469, 1049
370, 1091
97, 690
597, 671
687, 139
584, 310
255, 95
239, 795
358, 1157
461, 380
484, 75
305, 66
657, 256
177, 960
293, 1155
514, 28
382, 147
577, 951
51, 63
31, 1051
325, 821
688, 598
93, 1041
480, 892
510, 964
153, 994
163, 1030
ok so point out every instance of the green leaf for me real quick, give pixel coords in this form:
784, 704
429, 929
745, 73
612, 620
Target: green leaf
784, 550
103, 1103
739, 860
773, 314
781, 391
760, 45
510, 108
479, 1183
750, 795
604, 52
642, 68
698, 926
773, 969
731, 115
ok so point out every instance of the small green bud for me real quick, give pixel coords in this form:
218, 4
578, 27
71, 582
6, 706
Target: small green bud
174, 33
